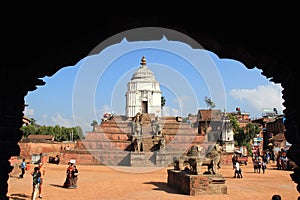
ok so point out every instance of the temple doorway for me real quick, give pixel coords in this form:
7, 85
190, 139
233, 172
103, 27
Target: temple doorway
144, 106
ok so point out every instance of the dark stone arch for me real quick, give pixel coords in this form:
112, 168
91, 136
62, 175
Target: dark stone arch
32, 49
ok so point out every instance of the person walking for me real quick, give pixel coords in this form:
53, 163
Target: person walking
237, 170
42, 171
36, 175
259, 166
233, 160
23, 168
263, 166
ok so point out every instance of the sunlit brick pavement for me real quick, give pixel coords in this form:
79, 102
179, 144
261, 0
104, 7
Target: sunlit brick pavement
100, 182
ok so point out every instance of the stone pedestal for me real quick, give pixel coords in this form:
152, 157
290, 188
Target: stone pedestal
195, 185
163, 159
137, 159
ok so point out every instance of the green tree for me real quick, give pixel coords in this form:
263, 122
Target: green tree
50, 130
244, 135
33, 122
163, 103
251, 131
210, 104
79, 133
66, 133
28, 130
42, 130
60, 133
234, 123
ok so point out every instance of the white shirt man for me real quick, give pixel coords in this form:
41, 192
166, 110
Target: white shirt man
237, 171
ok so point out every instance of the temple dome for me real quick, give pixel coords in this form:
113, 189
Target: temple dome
143, 73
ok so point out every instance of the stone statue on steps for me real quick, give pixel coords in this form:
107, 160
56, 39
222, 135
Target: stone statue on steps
136, 125
137, 118
137, 129
157, 128
162, 144
137, 143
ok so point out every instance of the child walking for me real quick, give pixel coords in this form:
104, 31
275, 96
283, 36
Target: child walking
23, 168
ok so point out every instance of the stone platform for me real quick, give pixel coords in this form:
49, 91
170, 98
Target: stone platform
195, 185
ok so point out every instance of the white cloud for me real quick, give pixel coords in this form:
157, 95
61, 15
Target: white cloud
263, 96
169, 111
102, 110
44, 116
58, 119
29, 112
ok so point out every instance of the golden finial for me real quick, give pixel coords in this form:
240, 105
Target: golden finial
143, 61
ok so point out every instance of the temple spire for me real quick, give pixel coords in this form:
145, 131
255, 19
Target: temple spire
143, 61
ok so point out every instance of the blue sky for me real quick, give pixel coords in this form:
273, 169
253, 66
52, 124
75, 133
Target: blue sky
79, 94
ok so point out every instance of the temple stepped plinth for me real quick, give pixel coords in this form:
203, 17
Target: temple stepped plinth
116, 145
117, 135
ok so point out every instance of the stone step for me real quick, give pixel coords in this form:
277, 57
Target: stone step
143, 159
150, 159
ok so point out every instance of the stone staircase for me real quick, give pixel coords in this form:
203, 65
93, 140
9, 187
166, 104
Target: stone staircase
112, 140
150, 159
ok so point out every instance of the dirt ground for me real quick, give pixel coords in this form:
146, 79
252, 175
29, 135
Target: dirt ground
104, 183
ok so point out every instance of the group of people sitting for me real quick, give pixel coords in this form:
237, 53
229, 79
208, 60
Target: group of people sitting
71, 176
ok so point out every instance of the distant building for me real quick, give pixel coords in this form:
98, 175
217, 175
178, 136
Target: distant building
227, 135
209, 120
269, 112
243, 118
39, 138
26, 120
143, 93
272, 134
218, 128
275, 129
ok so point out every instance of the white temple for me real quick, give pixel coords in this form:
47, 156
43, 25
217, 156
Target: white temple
227, 136
143, 92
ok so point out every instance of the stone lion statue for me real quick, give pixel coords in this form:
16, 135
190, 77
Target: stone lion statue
214, 155
137, 143
196, 160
